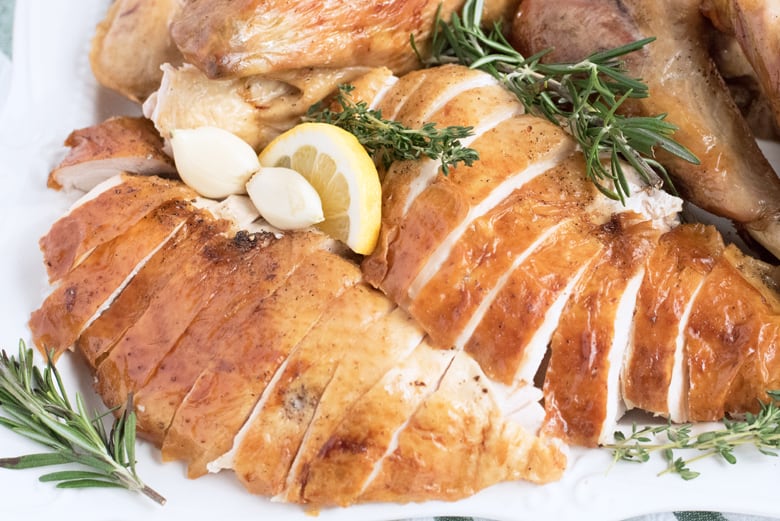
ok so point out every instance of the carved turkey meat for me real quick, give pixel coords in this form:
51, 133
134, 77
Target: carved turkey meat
226, 337
504, 286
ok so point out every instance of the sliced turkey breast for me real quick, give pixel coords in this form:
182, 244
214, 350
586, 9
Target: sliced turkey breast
368, 430
581, 386
132, 360
107, 211
226, 391
732, 340
761, 370
391, 339
91, 285
473, 446
119, 144
655, 377
103, 334
441, 214
509, 338
289, 403
186, 296
448, 295
446, 96
265, 264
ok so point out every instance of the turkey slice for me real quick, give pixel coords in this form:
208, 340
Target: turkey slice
581, 385
387, 342
266, 265
368, 429
118, 144
226, 391
267, 445
457, 443
111, 209
93, 284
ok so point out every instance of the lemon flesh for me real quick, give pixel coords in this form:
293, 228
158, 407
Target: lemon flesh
343, 174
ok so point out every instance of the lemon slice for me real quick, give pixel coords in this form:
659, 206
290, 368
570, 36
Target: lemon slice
342, 173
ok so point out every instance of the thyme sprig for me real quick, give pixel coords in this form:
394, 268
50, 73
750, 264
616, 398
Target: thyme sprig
37, 407
760, 430
583, 98
390, 140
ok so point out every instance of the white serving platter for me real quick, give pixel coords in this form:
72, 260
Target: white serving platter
52, 92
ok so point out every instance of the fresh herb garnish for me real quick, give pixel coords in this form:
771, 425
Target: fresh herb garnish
581, 97
391, 141
761, 430
36, 406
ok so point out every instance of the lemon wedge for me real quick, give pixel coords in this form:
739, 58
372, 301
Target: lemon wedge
343, 174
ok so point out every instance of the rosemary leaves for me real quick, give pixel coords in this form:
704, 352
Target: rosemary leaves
37, 407
389, 140
760, 430
581, 97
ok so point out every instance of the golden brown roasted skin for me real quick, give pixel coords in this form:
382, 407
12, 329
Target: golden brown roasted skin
255, 108
448, 200
734, 179
675, 272
423, 467
98, 340
289, 407
111, 213
504, 343
265, 265
226, 391
490, 248
118, 144
755, 25
396, 336
733, 337
414, 100
131, 43
228, 38
271, 357
81, 292
206, 270
341, 469
581, 378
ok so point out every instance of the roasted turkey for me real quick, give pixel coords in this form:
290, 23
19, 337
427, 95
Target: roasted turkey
131, 43
755, 26
734, 179
521, 263
118, 144
226, 337
509, 309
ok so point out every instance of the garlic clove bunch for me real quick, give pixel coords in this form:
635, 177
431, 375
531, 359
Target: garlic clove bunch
285, 198
212, 161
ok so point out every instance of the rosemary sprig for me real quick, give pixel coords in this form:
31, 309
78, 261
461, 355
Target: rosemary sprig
37, 406
761, 430
581, 97
389, 140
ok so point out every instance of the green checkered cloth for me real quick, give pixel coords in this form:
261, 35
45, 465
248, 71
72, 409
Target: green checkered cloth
675, 516
6, 21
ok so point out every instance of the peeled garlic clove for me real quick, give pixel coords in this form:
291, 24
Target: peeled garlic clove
212, 161
285, 198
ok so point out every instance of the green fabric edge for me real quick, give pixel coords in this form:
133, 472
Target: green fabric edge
6, 25
699, 516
